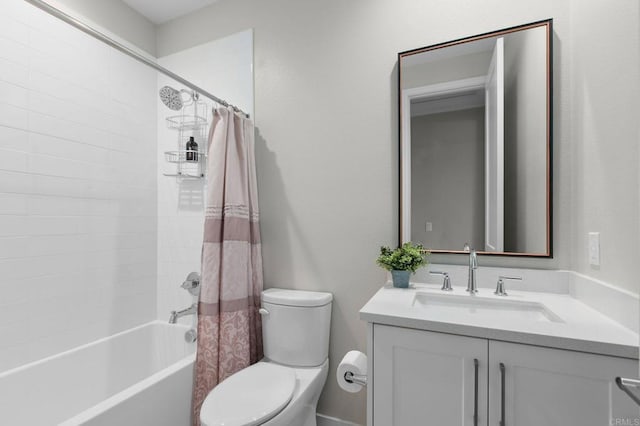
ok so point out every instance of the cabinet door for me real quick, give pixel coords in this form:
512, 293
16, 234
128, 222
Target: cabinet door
425, 378
552, 387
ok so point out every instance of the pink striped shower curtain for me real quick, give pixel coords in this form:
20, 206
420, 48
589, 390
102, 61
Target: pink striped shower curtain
229, 325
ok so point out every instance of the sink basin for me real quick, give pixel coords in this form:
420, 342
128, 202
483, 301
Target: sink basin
485, 307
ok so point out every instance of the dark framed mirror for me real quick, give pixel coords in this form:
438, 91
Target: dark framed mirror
476, 143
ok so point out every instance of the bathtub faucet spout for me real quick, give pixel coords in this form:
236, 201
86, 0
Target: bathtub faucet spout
191, 310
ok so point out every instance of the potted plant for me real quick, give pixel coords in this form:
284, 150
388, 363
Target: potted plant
402, 262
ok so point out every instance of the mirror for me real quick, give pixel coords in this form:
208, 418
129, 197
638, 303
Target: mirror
475, 143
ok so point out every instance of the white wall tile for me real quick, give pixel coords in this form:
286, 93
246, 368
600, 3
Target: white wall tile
13, 226
55, 225
13, 204
80, 226
14, 73
14, 51
77, 188
15, 182
13, 116
12, 247
14, 356
11, 138
63, 148
66, 129
15, 161
13, 30
20, 11
15, 95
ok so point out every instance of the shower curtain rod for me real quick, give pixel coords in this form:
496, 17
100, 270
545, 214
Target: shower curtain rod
118, 46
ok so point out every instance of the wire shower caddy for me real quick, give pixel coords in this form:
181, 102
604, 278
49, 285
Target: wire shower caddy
189, 164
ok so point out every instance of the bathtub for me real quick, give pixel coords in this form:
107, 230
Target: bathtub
139, 377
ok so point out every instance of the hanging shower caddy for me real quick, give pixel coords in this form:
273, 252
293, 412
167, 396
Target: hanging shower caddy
192, 121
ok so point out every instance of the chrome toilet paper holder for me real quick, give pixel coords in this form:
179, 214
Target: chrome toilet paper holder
358, 379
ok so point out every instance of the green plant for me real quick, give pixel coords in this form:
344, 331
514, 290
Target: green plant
408, 257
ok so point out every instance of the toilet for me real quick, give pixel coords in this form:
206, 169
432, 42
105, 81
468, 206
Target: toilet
283, 388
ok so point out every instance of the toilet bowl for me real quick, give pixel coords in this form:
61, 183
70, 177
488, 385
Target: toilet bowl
253, 398
283, 388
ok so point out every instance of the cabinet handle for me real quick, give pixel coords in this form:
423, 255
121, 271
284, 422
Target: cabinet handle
502, 393
475, 392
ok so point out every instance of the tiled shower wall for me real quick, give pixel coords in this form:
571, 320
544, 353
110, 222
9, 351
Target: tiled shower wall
225, 68
77, 187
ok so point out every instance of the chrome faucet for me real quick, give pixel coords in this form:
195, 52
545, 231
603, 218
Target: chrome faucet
446, 281
192, 285
191, 310
500, 291
472, 285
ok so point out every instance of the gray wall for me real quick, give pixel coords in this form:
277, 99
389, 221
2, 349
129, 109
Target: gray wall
115, 16
605, 99
326, 112
525, 136
447, 179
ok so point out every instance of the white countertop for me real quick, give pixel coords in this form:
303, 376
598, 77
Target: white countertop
582, 328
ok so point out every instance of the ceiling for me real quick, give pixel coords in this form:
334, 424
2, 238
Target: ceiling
160, 11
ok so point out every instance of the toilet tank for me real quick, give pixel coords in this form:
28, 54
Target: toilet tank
295, 326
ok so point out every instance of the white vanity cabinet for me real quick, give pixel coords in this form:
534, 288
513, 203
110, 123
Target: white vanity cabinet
426, 378
544, 386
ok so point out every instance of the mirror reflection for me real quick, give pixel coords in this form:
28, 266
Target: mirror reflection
475, 143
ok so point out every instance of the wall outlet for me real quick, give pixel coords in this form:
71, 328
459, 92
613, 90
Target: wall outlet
594, 248
428, 227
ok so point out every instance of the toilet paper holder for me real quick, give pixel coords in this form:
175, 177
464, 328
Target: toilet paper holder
358, 379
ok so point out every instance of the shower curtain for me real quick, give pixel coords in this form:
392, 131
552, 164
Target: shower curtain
229, 325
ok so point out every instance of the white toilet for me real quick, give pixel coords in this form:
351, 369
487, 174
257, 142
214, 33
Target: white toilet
283, 388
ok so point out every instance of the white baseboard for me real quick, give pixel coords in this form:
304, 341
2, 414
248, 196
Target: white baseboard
332, 421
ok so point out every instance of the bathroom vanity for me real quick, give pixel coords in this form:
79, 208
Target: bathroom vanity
449, 358
546, 355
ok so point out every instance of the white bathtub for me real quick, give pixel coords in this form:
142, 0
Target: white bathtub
138, 377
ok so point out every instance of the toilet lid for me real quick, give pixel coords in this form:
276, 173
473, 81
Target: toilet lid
250, 397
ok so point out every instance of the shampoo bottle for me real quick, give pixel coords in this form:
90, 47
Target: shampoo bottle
191, 146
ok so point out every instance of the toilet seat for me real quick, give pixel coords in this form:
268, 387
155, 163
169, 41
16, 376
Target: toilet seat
250, 397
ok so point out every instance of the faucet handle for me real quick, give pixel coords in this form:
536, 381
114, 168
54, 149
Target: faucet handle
500, 291
192, 283
446, 283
